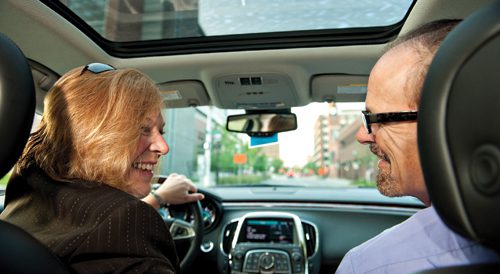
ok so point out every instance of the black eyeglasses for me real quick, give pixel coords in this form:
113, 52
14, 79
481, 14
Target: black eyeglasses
387, 117
97, 68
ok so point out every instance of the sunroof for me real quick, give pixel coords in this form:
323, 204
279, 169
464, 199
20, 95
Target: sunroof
143, 20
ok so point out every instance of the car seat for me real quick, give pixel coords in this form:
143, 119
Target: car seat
21, 253
459, 132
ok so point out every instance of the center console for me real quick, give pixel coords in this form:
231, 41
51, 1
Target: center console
268, 242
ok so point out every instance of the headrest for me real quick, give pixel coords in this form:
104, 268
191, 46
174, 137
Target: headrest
459, 128
17, 103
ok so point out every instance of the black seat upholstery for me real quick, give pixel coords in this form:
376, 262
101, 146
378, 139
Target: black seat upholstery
21, 253
459, 131
17, 104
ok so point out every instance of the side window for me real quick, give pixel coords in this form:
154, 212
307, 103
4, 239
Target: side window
36, 122
5, 179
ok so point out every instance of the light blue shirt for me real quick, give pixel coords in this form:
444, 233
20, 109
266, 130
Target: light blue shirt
421, 242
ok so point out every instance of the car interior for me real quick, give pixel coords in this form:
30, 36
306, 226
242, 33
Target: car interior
237, 93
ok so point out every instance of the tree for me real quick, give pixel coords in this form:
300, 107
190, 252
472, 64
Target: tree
277, 164
223, 151
310, 166
260, 164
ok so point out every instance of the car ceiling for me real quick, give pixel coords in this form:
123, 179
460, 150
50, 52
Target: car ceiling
49, 39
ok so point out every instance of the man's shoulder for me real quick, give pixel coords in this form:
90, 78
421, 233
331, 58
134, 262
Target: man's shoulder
401, 236
422, 241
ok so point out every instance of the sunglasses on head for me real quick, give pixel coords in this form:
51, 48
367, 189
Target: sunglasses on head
387, 117
97, 68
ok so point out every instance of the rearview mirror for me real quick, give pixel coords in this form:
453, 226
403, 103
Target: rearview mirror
261, 123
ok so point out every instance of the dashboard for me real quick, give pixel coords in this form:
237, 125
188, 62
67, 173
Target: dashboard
288, 230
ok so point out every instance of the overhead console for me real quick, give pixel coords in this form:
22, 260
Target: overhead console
255, 91
268, 242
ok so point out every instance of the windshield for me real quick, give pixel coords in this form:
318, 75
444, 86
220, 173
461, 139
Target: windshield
322, 152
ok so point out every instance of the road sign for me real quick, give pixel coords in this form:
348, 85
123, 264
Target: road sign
240, 158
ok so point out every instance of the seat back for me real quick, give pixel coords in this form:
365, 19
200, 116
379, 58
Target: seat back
459, 128
17, 103
21, 253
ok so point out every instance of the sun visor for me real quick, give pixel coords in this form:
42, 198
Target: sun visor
186, 93
339, 88
255, 91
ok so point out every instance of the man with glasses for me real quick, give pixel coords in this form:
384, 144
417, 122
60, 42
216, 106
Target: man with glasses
390, 129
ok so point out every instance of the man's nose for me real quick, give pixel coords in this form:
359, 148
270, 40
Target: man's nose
363, 137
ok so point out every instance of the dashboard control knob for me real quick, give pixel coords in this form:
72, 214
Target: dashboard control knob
238, 255
266, 261
296, 257
207, 246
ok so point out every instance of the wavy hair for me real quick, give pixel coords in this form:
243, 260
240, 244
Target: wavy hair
91, 126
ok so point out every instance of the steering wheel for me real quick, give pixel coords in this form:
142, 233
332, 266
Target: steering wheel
187, 236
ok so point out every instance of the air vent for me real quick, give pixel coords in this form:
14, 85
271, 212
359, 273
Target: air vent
310, 235
227, 237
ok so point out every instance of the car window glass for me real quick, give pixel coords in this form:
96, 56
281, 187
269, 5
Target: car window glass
152, 20
322, 152
3, 181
